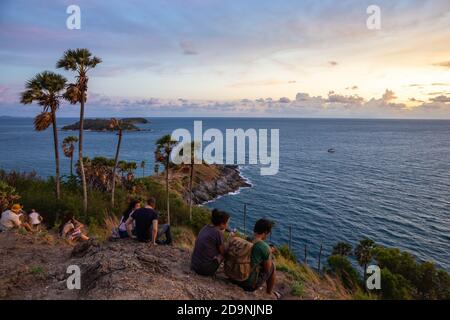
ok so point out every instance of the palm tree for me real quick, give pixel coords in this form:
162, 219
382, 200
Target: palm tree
122, 168
164, 146
115, 124
68, 146
46, 89
80, 61
342, 249
142, 165
363, 253
193, 148
130, 168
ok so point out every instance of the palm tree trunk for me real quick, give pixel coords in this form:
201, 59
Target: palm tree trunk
55, 140
71, 165
116, 163
191, 177
80, 156
365, 276
167, 190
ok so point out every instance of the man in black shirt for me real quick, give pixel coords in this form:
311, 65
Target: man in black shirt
146, 221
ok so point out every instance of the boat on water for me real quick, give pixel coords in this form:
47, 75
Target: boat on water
331, 150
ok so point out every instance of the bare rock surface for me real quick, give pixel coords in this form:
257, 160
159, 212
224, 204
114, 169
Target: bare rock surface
32, 267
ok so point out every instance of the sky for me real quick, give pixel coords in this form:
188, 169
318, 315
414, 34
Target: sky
257, 58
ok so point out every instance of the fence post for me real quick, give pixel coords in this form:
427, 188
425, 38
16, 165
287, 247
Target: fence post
306, 255
320, 255
290, 237
245, 218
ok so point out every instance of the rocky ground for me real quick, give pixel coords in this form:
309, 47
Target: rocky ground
34, 267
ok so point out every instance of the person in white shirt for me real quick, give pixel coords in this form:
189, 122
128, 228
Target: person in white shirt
35, 219
133, 206
11, 219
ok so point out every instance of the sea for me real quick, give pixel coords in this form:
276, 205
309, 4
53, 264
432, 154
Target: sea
388, 180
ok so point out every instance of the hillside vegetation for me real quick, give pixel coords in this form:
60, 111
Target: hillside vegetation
128, 124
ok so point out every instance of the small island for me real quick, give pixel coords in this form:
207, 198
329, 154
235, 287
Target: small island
128, 124
136, 120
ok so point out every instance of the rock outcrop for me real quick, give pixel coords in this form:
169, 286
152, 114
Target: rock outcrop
228, 181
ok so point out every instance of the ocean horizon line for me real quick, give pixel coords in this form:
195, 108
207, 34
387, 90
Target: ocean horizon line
236, 117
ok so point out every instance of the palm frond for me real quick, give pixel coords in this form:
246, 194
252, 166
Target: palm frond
72, 94
115, 124
78, 60
42, 121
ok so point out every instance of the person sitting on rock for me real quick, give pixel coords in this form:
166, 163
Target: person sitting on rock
133, 206
72, 230
13, 219
146, 225
263, 267
209, 250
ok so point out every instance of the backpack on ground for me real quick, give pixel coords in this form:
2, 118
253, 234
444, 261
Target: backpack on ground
238, 259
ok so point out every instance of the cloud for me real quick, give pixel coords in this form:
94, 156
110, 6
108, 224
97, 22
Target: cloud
445, 64
284, 100
441, 99
302, 97
389, 95
187, 47
304, 105
337, 98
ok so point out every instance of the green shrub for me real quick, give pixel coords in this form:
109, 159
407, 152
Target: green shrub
40, 195
341, 267
286, 253
394, 286
442, 285
297, 289
362, 295
37, 270
342, 249
405, 274
8, 195
179, 209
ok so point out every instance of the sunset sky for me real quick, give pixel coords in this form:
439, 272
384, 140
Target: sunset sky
237, 58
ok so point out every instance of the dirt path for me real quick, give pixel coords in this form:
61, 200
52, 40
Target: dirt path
32, 267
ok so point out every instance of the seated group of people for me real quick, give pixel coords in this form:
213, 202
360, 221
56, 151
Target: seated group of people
16, 217
211, 250
142, 224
